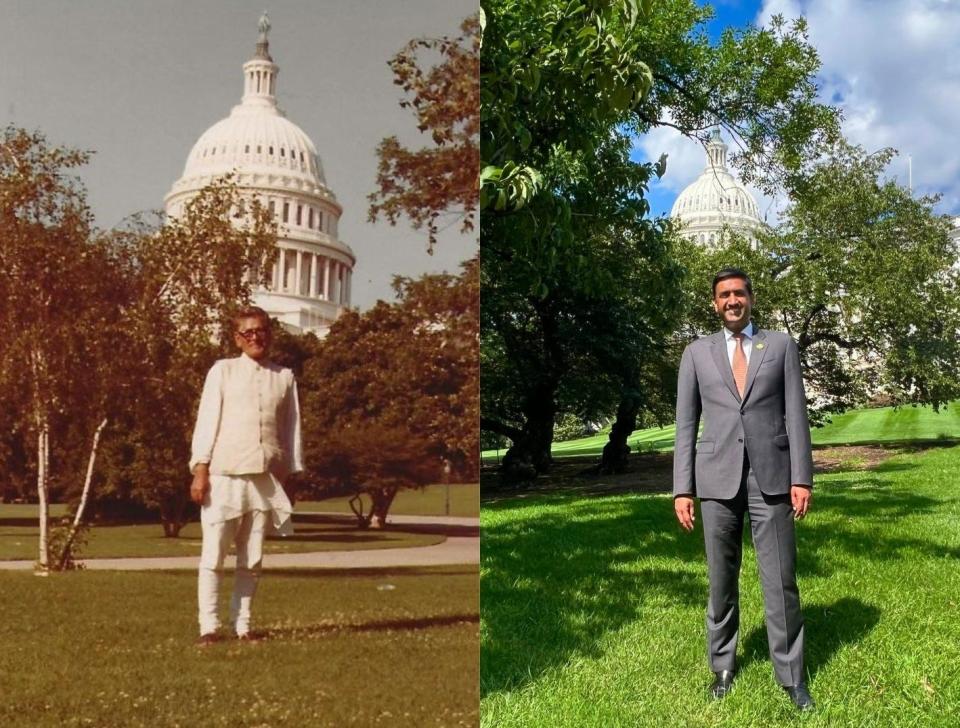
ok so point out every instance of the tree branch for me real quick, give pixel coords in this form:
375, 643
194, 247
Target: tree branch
501, 428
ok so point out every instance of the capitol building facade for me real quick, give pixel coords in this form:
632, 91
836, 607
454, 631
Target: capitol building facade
716, 203
271, 159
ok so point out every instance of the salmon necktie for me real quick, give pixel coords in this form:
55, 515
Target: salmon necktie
739, 365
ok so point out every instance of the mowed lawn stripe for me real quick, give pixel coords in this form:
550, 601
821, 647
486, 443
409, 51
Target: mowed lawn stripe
857, 427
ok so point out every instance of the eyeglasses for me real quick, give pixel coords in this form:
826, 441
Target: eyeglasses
250, 334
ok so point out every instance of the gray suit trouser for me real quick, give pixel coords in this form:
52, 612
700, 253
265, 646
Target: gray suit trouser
772, 528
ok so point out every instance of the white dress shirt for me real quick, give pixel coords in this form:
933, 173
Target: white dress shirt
732, 342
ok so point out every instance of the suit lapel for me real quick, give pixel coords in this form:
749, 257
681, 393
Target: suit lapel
757, 353
720, 357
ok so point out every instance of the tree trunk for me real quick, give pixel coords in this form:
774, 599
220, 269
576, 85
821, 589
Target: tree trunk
172, 516
43, 479
356, 505
616, 452
529, 455
65, 552
382, 500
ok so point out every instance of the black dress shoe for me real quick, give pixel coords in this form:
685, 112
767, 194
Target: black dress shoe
800, 696
722, 683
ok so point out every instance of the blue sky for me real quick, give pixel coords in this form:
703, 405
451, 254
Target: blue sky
892, 66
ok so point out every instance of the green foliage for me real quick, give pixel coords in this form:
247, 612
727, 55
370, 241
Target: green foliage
862, 275
426, 183
62, 300
568, 427
580, 290
392, 394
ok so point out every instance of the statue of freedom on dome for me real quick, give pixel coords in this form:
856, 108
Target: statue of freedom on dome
264, 26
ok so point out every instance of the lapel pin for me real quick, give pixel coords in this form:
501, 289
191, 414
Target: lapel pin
760, 345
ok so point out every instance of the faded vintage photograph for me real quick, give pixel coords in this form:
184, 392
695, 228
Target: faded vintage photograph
239, 386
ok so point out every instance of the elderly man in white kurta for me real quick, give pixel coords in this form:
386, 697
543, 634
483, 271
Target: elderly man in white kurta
245, 443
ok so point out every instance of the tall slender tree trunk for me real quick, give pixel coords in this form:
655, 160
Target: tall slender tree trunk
43, 476
65, 552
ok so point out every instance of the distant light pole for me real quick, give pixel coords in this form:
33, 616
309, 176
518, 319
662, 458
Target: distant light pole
446, 480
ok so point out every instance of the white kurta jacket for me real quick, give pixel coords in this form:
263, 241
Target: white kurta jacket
249, 420
248, 430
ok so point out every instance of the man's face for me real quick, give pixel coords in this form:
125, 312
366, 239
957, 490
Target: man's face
253, 337
734, 304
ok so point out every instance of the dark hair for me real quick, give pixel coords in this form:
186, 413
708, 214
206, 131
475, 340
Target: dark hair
726, 273
251, 312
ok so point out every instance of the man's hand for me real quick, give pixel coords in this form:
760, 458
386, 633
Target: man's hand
800, 496
683, 507
201, 483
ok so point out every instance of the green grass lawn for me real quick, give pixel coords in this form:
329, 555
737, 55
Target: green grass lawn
111, 649
313, 532
429, 501
858, 427
593, 609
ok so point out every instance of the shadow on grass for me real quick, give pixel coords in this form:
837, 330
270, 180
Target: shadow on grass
385, 625
827, 628
348, 522
317, 535
554, 585
19, 522
433, 529
561, 572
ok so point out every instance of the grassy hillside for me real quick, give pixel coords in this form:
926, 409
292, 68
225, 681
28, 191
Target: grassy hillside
857, 427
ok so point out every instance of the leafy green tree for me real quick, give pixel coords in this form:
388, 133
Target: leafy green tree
580, 290
391, 397
427, 183
863, 276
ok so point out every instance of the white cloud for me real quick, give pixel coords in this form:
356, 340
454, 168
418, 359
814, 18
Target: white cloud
893, 66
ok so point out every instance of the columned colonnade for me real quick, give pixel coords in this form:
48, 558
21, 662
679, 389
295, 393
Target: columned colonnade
302, 273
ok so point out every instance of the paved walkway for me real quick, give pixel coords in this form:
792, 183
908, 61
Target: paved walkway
455, 550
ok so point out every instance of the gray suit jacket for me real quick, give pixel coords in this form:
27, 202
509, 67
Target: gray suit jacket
770, 423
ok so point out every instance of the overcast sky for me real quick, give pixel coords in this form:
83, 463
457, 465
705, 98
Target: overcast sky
893, 66
138, 82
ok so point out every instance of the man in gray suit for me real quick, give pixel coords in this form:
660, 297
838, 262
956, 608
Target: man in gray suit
753, 457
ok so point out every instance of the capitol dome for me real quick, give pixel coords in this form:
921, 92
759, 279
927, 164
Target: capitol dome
716, 201
273, 160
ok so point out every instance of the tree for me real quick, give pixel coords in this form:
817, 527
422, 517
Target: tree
192, 273
564, 89
392, 394
426, 183
591, 335
863, 276
62, 293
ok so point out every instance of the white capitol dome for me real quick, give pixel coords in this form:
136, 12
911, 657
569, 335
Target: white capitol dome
716, 201
273, 160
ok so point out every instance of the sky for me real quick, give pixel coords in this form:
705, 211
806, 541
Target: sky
892, 66
138, 82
